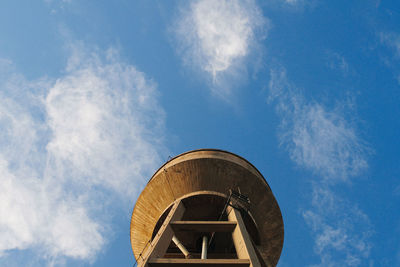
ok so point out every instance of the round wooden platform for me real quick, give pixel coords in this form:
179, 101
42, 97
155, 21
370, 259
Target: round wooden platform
209, 170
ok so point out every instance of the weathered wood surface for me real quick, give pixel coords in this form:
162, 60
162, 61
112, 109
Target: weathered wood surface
199, 263
161, 241
203, 226
241, 239
209, 170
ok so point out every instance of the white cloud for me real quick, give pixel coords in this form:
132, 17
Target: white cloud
335, 61
106, 124
324, 142
392, 40
316, 138
66, 144
32, 211
340, 229
217, 36
34, 215
292, 1
297, 4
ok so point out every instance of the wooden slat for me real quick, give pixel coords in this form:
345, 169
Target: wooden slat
208, 171
195, 255
203, 226
161, 241
241, 239
199, 263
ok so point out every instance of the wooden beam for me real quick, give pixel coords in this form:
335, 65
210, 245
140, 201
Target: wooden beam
161, 241
199, 263
196, 255
203, 226
241, 238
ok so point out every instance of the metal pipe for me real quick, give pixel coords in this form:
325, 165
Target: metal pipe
204, 248
181, 246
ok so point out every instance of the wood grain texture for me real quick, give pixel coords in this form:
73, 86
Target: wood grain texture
203, 226
199, 263
215, 171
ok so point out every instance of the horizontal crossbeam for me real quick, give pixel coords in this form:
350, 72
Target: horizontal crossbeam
198, 262
203, 226
196, 255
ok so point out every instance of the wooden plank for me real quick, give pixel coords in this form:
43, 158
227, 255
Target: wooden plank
215, 171
179, 255
241, 239
161, 241
203, 226
199, 262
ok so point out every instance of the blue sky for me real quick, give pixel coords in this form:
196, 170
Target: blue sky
96, 95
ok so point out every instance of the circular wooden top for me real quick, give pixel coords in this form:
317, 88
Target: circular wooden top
215, 171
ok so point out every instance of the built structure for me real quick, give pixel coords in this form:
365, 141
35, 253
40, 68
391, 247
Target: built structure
207, 208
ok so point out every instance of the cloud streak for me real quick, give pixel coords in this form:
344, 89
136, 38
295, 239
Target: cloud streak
70, 147
105, 122
325, 143
335, 61
217, 36
34, 211
316, 138
392, 40
340, 229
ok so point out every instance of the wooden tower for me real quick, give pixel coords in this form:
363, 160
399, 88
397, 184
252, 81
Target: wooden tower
207, 208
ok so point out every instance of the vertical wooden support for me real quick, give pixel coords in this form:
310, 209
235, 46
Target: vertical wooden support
241, 238
161, 241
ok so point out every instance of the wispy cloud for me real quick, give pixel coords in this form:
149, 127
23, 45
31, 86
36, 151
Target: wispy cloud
58, 5
318, 139
340, 229
324, 142
68, 143
103, 117
217, 36
392, 40
34, 209
335, 61
297, 4
292, 2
